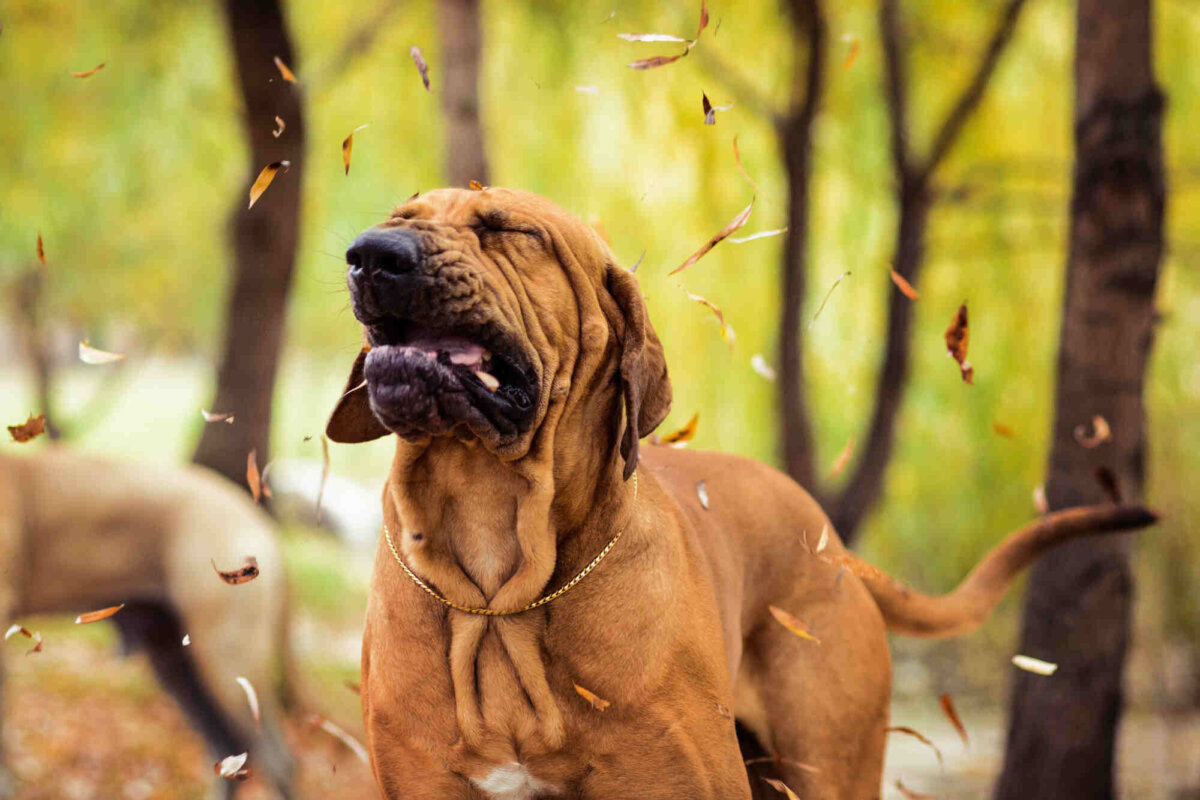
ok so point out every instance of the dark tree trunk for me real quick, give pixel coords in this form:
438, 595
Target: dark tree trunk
462, 49
28, 309
1077, 612
264, 241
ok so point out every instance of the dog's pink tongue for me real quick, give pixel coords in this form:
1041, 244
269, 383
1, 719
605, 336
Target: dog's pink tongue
460, 350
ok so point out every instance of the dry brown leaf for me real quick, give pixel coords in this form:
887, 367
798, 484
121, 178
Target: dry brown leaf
34, 636
96, 616
957, 337
213, 416
1102, 433
1108, 482
851, 52
597, 702
343, 737
923, 740
702, 493
904, 286
727, 332
251, 698
1003, 430
253, 478
89, 73
324, 474
422, 67
29, 429
348, 145
760, 365
41, 249
282, 126
782, 787
685, 433
656, 61
92, 355
246, 573
233, 768
284, 71
264, 179
737, 222
1034, 665
737, 157
791, 623
909, 794
475, 186
843, 458
703, 18
947, 704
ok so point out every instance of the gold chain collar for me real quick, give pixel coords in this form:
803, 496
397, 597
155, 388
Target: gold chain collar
492, 612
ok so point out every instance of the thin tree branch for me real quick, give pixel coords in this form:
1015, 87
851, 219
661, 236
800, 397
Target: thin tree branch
895, 81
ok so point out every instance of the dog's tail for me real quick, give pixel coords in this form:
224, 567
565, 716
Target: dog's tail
965, 609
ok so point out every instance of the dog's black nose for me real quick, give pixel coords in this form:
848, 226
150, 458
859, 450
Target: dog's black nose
384, 250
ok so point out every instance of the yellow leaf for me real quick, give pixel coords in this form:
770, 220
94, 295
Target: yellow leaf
597, 702
792, 624
685, 433
264, 180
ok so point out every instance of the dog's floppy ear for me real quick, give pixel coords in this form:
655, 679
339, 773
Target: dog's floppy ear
643, 368
352, 420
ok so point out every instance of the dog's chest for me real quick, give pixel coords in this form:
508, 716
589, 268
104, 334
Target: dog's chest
512, 782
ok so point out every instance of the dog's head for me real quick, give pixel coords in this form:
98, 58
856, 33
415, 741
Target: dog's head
482, 308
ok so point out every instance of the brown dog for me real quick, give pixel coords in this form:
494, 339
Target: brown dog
516, 363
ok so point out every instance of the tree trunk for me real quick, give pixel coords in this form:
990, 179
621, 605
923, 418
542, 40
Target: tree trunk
264, 241
462, 49
1077, 612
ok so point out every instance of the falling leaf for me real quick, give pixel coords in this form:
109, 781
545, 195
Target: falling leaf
702, 493
263, 479
710, 111
1102, 433
907, 731
843, 458
41, 249
859, 568
34, 636
760, 235
92, 355
29, 429
264, 179
791, 623
593, 90
597, 702
638, 263
909, 794
251, 698
685, 433
89, 73
1034, 665
737, 157
727, 332
733, 225
324, 474
1001, 429
96, 616
348, 145
247, 572
851, 53
650, 37
947, 704
284, 71
760, 365
1108, 482
282, 125
656, 61
213, 416
828, 294
822, 542
957, 336
703, 18
233, 767
659, 61
422, 67
343, 737
1039, 499
904, 286
253, 479
475, 186
782, 787
187, 640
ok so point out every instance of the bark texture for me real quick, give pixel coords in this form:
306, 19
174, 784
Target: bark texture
462, 49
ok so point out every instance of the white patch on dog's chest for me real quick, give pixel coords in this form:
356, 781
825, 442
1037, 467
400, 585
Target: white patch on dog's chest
512, 782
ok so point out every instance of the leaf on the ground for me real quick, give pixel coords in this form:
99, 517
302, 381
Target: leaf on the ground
341, 735
324, 474
1108, 482
1100, 433
1039, 499
843, 458
828, 294
1002, 429
1034, 665
702, 493
264, 179
596, 702
791, 623
904, 286
422, 67
756, 236
96, 616
781, 787
727, 332
737, 158
253, 478
93, 355
909, 794
34, 636
251, 698
957, 337
760, 365
282, 126
685, 433
233, 768
851, 51
41, 249
29, 429
348, 145
214, 416
284, 72
734, 224
247, 572
907, 731
947, 704
88, 73
710, 111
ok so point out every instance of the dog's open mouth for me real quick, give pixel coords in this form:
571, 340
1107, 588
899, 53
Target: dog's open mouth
426, 380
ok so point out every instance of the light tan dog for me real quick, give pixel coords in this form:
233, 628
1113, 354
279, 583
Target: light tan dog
78, 534
516, 363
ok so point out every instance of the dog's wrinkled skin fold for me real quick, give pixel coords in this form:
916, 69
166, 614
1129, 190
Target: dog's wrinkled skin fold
515, 361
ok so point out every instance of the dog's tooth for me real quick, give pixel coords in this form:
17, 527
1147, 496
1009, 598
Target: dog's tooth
488, 379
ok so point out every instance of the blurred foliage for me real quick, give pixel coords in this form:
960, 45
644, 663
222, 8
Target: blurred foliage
129, 175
